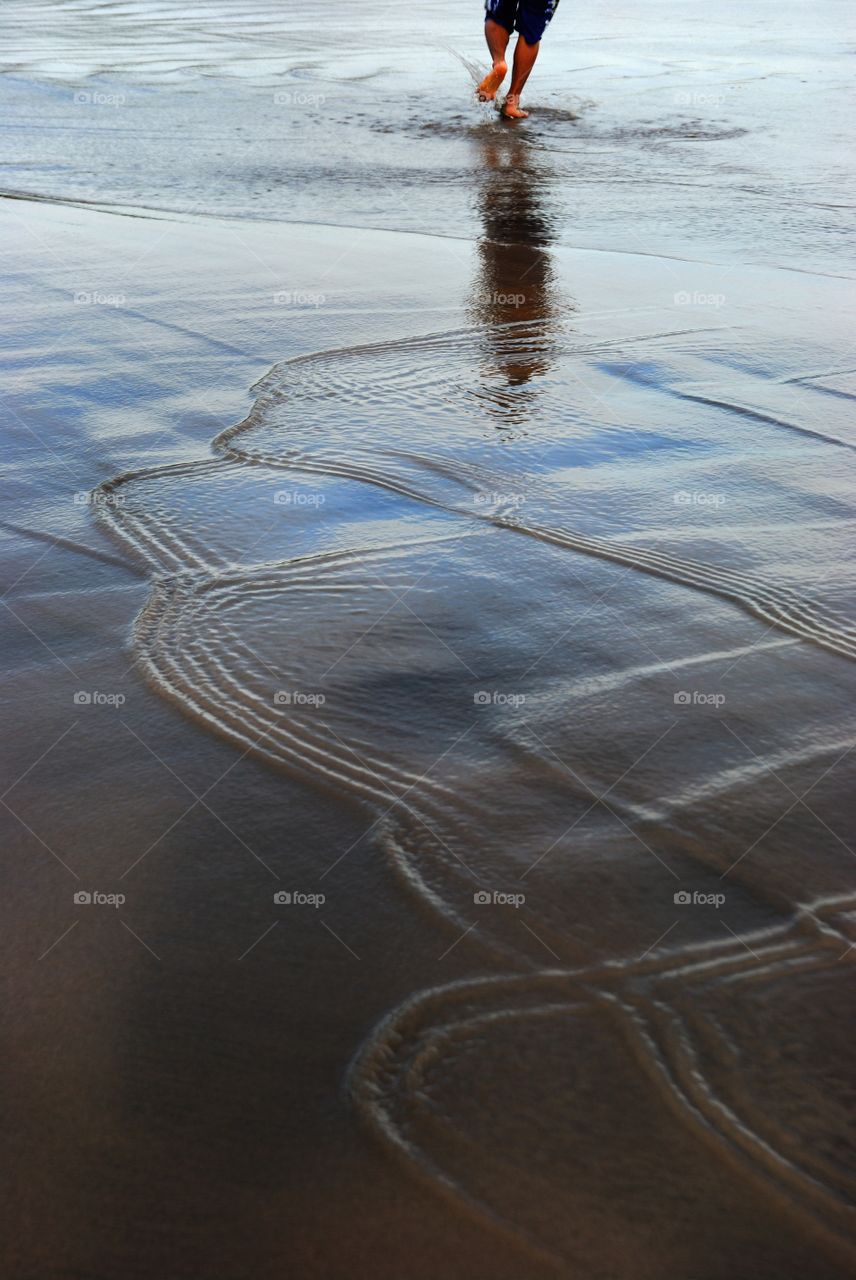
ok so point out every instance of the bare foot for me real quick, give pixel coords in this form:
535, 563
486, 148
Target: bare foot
511, 108
486, 92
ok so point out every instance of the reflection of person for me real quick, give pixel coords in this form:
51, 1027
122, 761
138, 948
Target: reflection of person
514, 297
529, 19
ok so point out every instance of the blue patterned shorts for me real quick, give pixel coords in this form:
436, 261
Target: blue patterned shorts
529, 17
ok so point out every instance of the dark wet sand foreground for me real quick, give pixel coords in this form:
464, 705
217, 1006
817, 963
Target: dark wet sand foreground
559, 740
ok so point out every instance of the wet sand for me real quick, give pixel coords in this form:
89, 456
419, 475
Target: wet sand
436, 650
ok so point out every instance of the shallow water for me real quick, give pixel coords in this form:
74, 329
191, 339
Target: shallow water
677, 129
521, 581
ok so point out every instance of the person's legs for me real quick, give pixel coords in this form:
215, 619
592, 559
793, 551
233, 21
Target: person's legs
524, 60
531, 22
497, 42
